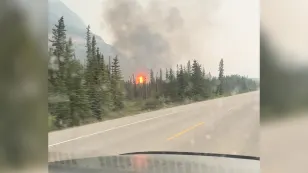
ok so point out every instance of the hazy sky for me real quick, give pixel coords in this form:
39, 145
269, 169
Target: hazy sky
214, 29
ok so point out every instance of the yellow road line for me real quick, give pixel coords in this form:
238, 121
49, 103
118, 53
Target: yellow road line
184, 131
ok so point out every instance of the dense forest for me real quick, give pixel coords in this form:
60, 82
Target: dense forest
91, 91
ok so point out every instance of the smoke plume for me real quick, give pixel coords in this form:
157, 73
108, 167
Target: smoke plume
144, 35
160, 34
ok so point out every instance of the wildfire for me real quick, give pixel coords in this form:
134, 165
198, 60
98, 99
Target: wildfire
140, 79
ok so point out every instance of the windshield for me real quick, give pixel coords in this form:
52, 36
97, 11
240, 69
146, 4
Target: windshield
135, 76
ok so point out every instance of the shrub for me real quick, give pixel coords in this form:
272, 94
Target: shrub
152, 104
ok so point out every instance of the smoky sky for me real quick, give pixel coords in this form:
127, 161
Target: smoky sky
141, 35
161, 34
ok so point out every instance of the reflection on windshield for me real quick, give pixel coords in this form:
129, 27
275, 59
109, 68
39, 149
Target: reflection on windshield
159, 163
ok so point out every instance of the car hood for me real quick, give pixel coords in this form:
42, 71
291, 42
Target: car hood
159, 162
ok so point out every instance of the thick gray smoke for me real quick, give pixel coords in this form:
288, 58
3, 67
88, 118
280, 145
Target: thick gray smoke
162, 33
144, 35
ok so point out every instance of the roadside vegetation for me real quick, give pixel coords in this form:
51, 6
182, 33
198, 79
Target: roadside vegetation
92, 91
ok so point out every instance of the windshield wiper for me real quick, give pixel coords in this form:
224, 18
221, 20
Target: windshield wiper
195, 154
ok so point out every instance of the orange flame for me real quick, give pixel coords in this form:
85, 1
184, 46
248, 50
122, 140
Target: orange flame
140, 79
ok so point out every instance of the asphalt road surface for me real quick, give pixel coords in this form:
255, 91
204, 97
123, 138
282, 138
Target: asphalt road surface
227, 125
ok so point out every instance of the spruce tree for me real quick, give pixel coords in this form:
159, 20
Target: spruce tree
152, 83
152, 79
80, 108
135, 90
116, 90
105, 84
61, 107
167, 75
59, 42
221, 77
197, 79
89, 55
181, 83
68, 67
92, 75
93, 49
189, 68
160, 83
172, 85
203, 72
187, 77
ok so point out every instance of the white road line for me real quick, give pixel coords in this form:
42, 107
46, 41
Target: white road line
107, 130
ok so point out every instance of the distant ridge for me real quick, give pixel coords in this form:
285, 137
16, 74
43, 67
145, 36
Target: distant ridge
75, 27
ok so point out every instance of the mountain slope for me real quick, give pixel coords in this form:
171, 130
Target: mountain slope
76, 29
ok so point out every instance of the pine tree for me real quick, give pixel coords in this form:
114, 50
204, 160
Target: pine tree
207, 88
80, 108
97, 74
221, 77
92, 76
160, 82
97, 81
171, 75
93, 48
181, 83
67, 77
244, 84
67, 63
203, 72
152, 83
172, 85
58, 42
105, 84
167, 74
187, 78
156, 84
109, 68
160, 75
135, 86
210, 76
61, 108
197, 79
166, 84
88, 43
152, 79
116, 89
189, 68
89, 55
129, 89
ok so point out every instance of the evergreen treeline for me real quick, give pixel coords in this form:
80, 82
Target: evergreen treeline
80, 92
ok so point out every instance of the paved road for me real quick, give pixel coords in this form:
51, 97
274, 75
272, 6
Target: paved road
227, 125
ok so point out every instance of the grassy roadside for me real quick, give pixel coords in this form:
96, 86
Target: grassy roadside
138, 107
